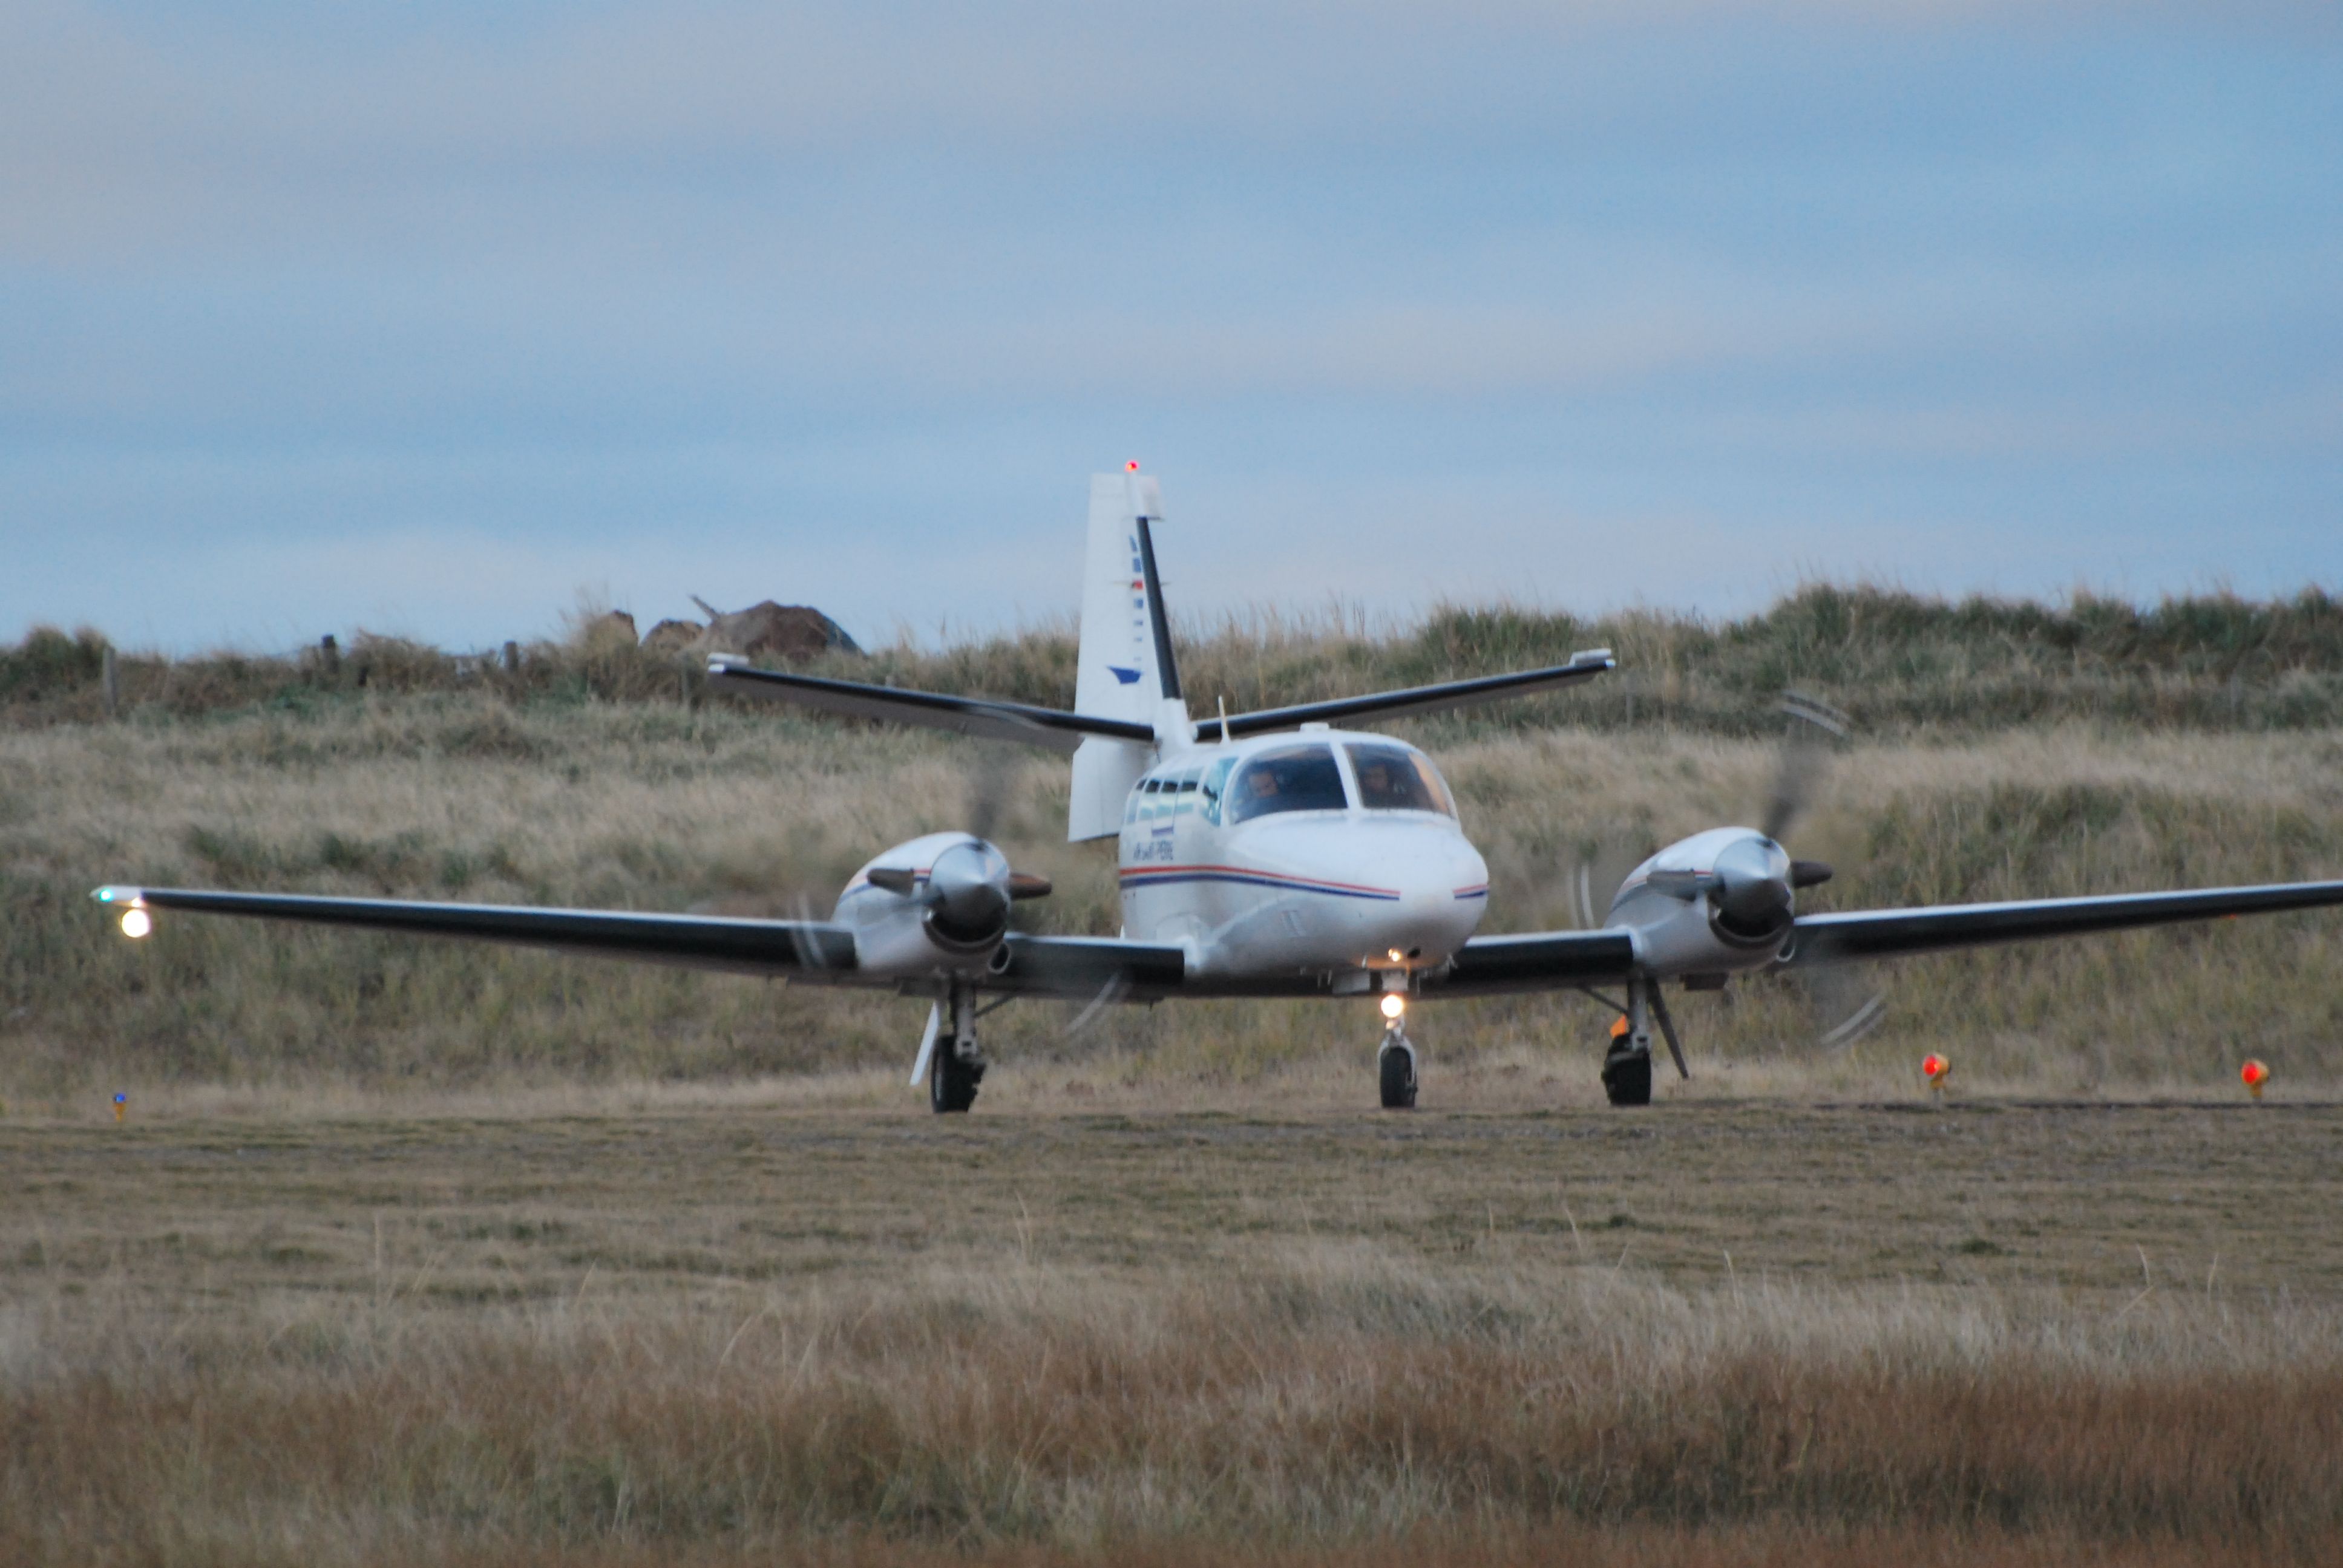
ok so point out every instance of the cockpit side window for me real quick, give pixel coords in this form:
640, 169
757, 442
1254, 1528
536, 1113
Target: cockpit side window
1397, 779
1215, 787
1289, 779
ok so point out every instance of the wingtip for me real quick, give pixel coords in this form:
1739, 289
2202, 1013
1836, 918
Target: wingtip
116, 893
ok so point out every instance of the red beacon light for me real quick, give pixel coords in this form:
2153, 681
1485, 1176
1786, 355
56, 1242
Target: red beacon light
1934, 1068
1132, 467
2255, 1074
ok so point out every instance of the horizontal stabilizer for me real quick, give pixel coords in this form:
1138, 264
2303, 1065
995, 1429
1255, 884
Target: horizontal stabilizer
1053, 727
806, 950
1414, 700
1890, 933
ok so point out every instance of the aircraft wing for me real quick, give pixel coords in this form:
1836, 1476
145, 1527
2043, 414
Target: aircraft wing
1051, 727
1075, 968
1377, 704
803, 949
1083, 968
1890, 933
1541, 961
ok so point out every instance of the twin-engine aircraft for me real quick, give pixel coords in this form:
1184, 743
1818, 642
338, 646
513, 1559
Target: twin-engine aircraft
1261, 854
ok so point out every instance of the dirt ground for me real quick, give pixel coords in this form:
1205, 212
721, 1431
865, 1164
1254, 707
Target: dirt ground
214, 1213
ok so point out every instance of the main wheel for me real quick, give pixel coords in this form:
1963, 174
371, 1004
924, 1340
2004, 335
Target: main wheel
952, 1082
1396, 1067
1627, 1077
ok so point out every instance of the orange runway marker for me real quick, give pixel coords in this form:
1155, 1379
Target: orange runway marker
1936, 1068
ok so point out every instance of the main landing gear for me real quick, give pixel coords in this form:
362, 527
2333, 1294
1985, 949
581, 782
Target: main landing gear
1627, 1072
1627, 1065
956, 1066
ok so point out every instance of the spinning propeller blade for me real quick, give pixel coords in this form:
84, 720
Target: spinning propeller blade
1805, 757
1842, 1003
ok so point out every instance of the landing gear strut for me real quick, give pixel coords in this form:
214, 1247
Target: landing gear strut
957, 1064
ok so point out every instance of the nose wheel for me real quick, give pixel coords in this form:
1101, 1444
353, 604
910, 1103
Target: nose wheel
1395, 1067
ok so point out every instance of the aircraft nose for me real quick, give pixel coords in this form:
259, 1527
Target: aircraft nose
1443, 890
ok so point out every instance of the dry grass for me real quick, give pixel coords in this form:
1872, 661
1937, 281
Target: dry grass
1900, 661
724, 1336
658, 806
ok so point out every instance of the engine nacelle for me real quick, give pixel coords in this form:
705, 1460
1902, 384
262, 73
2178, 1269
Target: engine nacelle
934, 905
1721, 900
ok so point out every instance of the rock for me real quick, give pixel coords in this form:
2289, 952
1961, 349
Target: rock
674, 636
780, 630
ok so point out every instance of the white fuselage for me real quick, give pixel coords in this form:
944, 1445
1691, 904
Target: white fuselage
1316, 851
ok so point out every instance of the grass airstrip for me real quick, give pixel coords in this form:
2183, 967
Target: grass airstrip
729, 1327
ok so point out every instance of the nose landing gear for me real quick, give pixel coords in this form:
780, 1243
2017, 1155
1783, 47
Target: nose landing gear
1395, 1066
1395, 1058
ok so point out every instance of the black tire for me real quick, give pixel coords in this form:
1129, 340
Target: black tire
952, 1082
1396, 1068
1627, 1077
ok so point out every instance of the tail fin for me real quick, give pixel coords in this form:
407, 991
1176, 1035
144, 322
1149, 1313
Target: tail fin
1126, 670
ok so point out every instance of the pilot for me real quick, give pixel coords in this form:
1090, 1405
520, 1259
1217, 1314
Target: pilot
1379, 782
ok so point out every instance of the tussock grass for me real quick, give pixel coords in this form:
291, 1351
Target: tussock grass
1331, 1397
657, 806
1898, 661
2009, 750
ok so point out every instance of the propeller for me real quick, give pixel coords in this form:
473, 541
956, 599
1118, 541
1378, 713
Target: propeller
1604, 860
970, 885
991, 790
1842, 1002
1815, 725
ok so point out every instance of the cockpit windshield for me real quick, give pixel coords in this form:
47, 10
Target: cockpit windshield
1396, 778
1289, 779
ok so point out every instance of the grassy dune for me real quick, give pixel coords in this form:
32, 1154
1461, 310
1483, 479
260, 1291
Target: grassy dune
1898, 661
658, 806
2006, 750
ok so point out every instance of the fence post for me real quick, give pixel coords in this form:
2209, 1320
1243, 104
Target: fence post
329, 653
512, 658
111, 674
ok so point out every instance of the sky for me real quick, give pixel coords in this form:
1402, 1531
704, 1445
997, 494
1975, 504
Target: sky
437, 320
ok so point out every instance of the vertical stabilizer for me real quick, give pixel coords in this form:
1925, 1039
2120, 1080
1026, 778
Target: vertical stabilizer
1119, 675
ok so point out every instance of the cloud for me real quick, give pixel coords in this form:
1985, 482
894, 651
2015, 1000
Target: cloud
420, 317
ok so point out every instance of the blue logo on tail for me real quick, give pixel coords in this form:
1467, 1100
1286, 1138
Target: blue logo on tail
1128, 677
